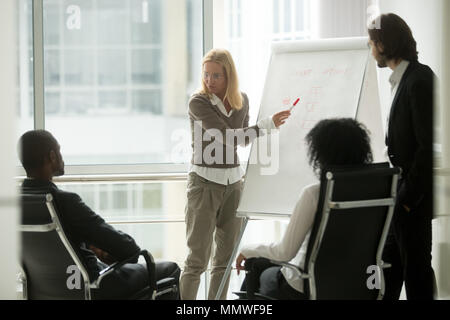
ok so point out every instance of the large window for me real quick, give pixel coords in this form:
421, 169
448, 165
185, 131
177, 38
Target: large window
144, 210
118, 73
117, 77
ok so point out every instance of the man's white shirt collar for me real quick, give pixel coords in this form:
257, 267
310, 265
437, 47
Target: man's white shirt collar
398, 73
215, 100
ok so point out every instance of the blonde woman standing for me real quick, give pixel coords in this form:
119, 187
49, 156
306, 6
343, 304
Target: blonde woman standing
215, 176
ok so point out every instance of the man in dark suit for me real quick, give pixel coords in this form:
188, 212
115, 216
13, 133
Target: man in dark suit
409, 141
91, 236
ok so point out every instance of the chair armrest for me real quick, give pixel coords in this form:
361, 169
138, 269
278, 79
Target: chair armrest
164, 286
259, 296
241, 294
165, 282
151, 270
103, 273
256, 296
299, 272
116, 265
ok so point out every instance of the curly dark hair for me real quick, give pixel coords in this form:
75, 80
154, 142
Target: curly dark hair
336, 142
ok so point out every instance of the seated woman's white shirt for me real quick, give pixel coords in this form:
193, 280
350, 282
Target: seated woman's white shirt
294, 244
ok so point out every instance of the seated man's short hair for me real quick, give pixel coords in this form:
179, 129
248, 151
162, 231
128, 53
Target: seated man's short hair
34, 147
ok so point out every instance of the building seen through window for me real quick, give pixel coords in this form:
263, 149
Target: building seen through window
117, 75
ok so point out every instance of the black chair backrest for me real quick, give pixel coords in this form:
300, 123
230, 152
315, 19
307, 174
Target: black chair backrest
46, 260
351, 236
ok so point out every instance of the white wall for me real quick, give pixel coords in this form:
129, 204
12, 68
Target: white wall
8, 208
431, 29
343, 18
442, 223
445, 84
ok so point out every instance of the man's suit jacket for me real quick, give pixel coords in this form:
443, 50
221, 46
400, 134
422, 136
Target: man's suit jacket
84, 227
410, 135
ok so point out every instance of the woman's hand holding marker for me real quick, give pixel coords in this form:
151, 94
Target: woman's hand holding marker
280, 117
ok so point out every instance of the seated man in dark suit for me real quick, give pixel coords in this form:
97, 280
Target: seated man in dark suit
91, 236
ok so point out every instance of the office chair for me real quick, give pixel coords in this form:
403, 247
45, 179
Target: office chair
347, 238
49, 259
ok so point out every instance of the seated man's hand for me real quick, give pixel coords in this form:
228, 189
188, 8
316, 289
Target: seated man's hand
103, 256
240, 262
406, 208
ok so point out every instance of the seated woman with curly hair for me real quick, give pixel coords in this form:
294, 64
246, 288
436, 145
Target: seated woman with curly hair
332, 142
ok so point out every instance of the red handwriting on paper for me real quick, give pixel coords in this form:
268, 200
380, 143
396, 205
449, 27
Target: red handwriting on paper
316, 92
303, 72
334, 71
286, 101
311, 106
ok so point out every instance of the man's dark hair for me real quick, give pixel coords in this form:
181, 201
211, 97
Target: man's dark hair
336, 142
34, 147
395, 36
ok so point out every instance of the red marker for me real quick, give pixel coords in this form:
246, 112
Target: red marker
295, 103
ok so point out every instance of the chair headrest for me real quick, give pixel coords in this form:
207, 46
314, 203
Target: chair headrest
340, 172
34, 208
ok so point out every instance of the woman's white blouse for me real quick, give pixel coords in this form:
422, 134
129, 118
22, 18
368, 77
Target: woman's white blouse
294, 244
